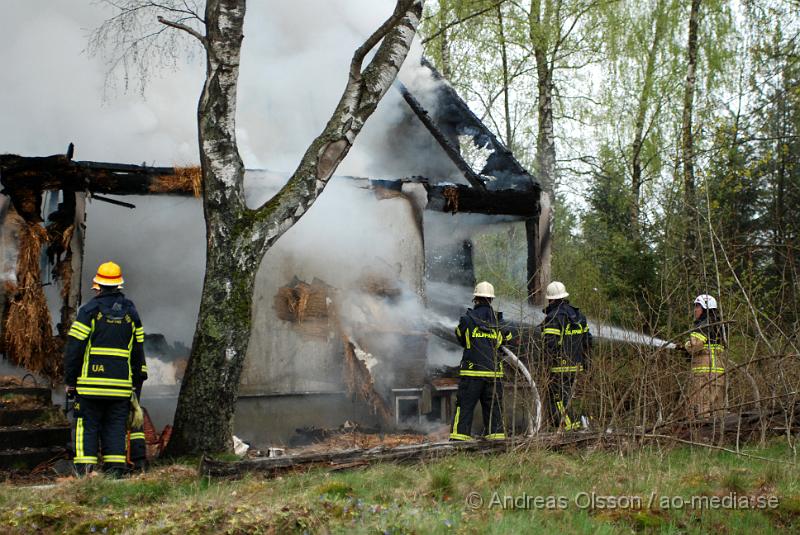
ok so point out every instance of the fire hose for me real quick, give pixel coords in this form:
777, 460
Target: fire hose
534, 412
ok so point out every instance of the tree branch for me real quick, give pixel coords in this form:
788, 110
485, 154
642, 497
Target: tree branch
361, 95
187, 29
361, 52
461, 21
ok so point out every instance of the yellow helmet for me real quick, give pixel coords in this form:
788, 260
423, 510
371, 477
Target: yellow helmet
108, 274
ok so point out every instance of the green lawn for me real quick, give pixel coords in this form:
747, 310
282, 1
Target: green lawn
559, 489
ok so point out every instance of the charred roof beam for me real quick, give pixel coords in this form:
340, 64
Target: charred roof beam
452, 152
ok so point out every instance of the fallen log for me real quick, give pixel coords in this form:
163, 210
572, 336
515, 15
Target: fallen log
352, 458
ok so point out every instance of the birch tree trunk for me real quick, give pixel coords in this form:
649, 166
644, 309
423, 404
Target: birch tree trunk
238, 237
643, 105
538, 231
687, 137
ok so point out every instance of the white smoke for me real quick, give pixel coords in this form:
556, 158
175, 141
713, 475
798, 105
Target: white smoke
294, 66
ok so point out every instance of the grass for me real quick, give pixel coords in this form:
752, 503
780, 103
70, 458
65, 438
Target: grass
519, 492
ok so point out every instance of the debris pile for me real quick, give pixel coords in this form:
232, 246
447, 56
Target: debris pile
156, 442
359, 383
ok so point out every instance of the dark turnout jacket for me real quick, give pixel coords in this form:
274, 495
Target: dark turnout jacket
104, 356
481, 332
566, 337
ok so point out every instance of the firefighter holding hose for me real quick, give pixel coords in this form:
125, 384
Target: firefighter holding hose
566, 342
706, 348
481, 333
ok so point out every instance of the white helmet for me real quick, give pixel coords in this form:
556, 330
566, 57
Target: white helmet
483, 289
706, 301
556, 290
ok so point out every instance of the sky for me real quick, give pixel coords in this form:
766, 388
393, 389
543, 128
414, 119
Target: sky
294, 63
295, 59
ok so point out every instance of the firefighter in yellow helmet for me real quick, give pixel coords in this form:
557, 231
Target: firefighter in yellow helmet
481, 332
706, 348
103, 364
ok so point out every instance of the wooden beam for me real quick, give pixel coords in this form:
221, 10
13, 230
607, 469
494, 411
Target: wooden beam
452, 152
25, 178
462, 198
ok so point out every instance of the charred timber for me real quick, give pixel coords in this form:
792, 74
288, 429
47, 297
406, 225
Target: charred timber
452, 152
462, 198
25, 178
455, 116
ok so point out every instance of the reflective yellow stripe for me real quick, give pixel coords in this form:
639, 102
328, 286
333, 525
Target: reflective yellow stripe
551, 330
140, 339
473, 373
144, 368
699, 336
467, 340
110, 351
566, 369
496, 436
84, 460
79, 440
78, 326
455, 421
85, 369
457, 436
708, 369
78, 335
458, 332
115, 393
104, 381
114, 458
139, 330
138, 436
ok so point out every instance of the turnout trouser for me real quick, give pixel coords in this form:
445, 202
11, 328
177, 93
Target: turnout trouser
138, 446
101, 421
560, 389
487, 391
707, 394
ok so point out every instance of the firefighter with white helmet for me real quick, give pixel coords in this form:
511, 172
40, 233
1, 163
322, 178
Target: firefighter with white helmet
566, 342
481, 332
706, 347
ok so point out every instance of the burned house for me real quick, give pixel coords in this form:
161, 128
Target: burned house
343, 302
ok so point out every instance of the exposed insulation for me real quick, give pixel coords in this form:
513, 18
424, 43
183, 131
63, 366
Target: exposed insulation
380, 286
302, 301
451, 196
63, 269
28, 336
185, 179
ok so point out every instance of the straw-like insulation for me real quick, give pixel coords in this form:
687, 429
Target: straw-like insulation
185, 180
29, 340
451, 197
380, 286
302, 301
